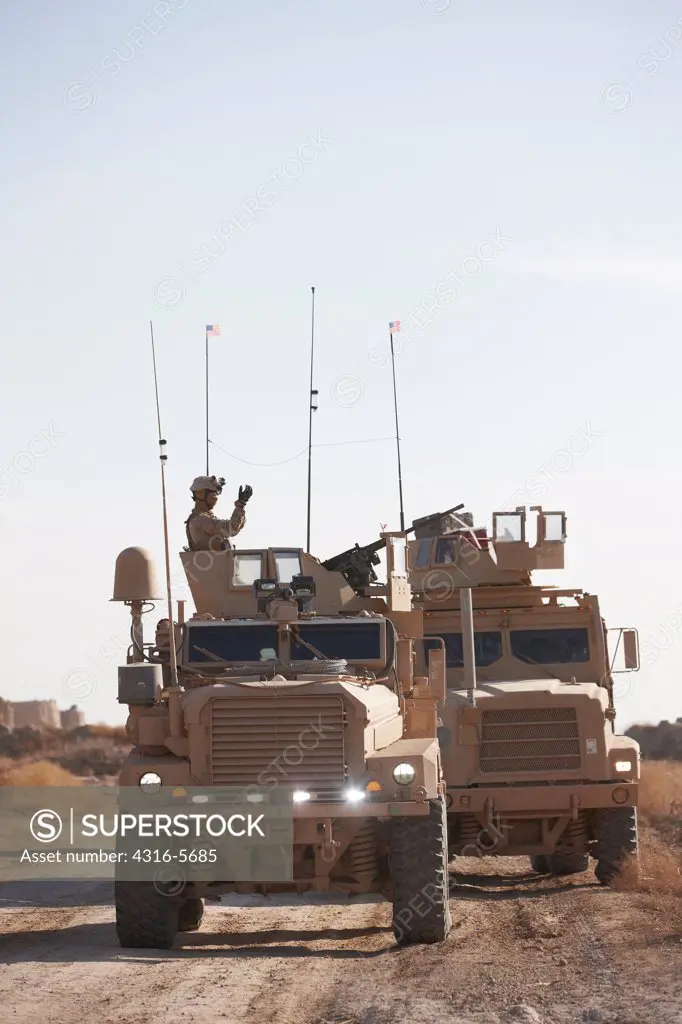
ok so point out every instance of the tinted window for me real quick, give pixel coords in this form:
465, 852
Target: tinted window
487, 648
233, 643
348, 640
423, 553
550, 646
445, 551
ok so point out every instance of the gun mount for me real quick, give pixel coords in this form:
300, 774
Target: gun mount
356, 564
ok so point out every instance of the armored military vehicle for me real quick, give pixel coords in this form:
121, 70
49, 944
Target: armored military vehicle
285, 676
527, 736
530, 753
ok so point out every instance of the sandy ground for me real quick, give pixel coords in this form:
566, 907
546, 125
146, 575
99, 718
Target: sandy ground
523, 949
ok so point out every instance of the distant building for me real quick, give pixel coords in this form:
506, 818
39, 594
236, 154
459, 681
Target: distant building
41, 714
6, 714
73, 718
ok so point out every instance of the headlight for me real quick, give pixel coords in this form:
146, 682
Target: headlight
300, 796
354, 796
404, 774
151, 782
623, 766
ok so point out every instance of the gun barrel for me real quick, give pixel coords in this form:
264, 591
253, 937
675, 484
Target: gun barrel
436, 515
344, 560
346, 557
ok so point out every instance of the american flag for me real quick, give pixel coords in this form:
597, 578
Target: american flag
213, 330
394, 326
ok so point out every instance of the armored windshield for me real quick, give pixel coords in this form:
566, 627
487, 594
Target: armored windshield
361, 642
207, 642
550, 646
532, 646
487, 648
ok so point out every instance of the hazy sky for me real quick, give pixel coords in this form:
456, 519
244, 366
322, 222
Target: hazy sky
514, 168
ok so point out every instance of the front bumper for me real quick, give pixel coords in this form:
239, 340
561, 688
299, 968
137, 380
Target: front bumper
542, 801
361, 809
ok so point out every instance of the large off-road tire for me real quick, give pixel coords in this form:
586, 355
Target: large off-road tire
567, 863
190, 915
615, 831
145, 919
540, 863
419, 872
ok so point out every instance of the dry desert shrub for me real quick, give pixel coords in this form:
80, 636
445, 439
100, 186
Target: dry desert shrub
97, 756
659, 870
35, 773
660, 793
110, 732
660, 857
91, 750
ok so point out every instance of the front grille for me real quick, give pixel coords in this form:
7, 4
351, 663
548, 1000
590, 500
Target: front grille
291, 740
529, 740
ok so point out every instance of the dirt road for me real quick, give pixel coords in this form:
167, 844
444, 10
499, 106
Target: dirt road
523, 948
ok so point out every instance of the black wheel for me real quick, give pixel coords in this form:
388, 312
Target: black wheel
568, 863
540, 863
190, 914
419, 872
615, 830
145, 919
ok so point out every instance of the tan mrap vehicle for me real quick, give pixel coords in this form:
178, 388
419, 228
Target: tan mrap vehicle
287, 678
531, 757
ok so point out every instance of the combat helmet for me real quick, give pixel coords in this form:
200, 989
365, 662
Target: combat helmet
207, 483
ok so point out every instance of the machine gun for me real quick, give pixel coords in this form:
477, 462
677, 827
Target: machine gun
357, 563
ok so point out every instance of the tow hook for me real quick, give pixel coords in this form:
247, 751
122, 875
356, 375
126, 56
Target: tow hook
329, 844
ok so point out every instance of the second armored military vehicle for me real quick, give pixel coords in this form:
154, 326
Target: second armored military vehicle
530, 753
531, 757
286, 677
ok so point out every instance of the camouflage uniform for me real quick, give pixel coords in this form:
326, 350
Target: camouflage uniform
203, 525
205, 532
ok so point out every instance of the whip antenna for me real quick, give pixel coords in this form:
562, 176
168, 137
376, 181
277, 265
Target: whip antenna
312, 409
162, 458
394, 327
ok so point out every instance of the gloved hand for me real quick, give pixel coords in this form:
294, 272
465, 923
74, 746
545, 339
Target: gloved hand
244, 494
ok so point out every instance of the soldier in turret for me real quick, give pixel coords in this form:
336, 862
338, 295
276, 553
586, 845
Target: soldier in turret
205, 532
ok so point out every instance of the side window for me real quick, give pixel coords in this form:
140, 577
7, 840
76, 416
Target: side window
445, 551
508, 526
550, 646
288, 565
247, 569
487, 648
423, 553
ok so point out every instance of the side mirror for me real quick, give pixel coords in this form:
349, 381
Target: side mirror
626, 651
631, 650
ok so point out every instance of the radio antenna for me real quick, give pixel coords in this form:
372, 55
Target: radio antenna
312, 409
394, 326
162, 459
